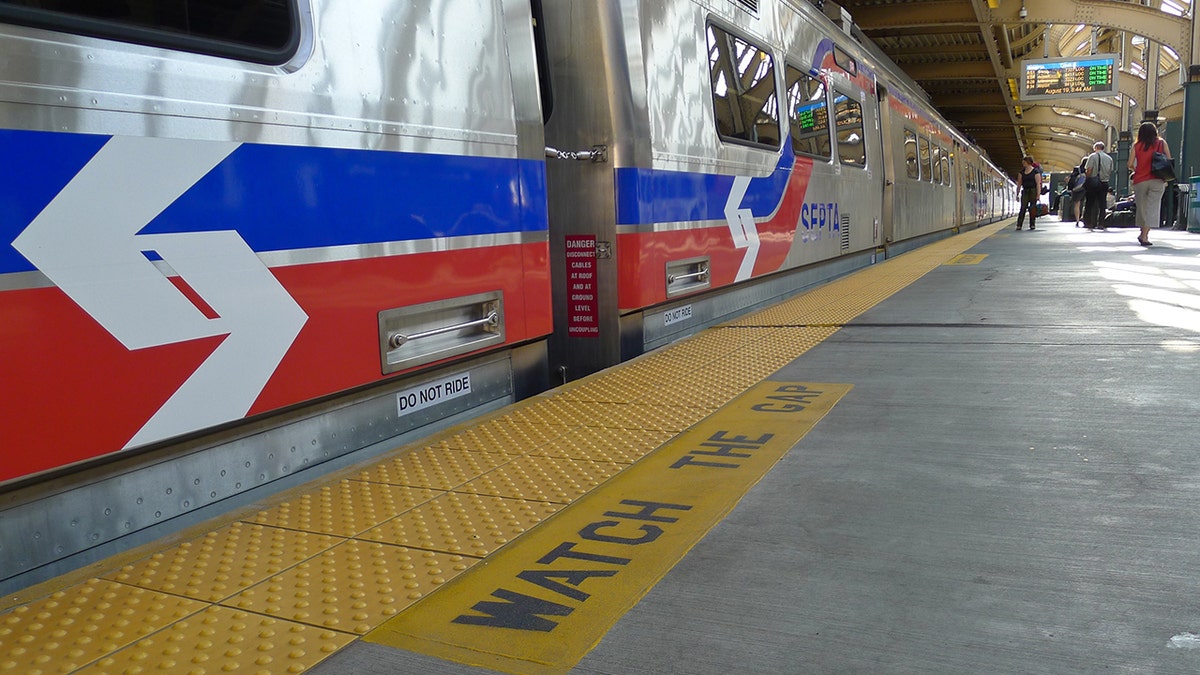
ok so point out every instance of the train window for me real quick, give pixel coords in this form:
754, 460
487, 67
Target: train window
910, 155
845, 61
937, 163
809, 113
852, 147
926, 165
947, 166
743, 88
263, 31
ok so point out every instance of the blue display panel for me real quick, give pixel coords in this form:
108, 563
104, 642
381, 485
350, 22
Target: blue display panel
1084, 77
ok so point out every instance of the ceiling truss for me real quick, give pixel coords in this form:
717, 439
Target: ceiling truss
967, 54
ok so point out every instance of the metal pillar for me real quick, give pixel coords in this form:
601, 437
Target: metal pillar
1189, 154
1188, 163
1120, 178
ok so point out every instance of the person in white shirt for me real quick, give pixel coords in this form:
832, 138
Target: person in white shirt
1099, 168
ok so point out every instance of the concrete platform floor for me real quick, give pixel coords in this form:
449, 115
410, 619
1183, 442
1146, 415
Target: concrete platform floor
1011, 486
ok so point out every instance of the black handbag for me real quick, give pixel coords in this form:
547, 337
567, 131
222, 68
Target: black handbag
1161, 166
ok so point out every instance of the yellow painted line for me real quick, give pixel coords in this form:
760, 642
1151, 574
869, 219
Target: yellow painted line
966, 259
538, 605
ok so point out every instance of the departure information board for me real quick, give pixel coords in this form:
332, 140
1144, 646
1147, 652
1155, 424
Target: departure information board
1084, 77
813, 117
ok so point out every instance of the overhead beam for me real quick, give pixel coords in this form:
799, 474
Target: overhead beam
916, 15
1149, 22
1043, 116
953, 100
950, 70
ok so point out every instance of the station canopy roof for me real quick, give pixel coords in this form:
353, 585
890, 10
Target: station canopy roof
967, 55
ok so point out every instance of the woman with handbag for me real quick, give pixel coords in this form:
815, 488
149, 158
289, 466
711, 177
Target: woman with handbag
1148, 188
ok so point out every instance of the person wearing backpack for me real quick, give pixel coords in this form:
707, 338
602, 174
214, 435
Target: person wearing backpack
1099, 167
1031, 190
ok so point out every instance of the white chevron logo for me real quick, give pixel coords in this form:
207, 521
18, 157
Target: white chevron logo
85, 241
742, 226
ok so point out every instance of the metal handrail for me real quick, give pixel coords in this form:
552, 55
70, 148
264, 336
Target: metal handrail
398, 340
672, 278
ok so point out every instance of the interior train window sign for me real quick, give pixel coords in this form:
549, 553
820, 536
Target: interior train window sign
1084, 77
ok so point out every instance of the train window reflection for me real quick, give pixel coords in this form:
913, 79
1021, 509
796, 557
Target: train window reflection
263, 31
926, 166
743, 88
808, 111
911, 166
946, 168
851, 144
937, 164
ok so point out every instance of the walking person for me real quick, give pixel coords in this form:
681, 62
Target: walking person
1098, 167
1147, 190
1078, 178
1031, 190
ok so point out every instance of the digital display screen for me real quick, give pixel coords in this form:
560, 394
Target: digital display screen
1085, 77
813, 117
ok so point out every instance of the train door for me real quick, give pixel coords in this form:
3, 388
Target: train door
958, 170
889, 169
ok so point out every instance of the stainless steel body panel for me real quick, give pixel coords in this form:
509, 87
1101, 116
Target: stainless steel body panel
636, 76
459, 78
446, 77
374, 84
52, 526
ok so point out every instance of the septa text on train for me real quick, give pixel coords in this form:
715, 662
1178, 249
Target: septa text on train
818, 217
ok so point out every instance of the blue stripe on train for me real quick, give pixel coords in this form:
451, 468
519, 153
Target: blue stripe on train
288, 197
647, 196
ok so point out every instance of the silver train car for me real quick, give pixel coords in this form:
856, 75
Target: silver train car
249, 241
752, 148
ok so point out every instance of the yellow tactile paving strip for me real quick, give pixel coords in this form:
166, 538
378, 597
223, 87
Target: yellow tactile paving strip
466, 523
352, 586
279, 588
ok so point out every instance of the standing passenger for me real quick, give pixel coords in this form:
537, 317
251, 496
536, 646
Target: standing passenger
1147, 190
1099, 167
1077, 194
1031, 189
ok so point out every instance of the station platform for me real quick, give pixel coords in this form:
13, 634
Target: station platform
979, 456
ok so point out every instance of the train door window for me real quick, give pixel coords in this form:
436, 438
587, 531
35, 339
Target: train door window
947, 168
851, 143
808, 112
926, 165
937, 163
844, 61
743, 89
911, 166
262, 31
